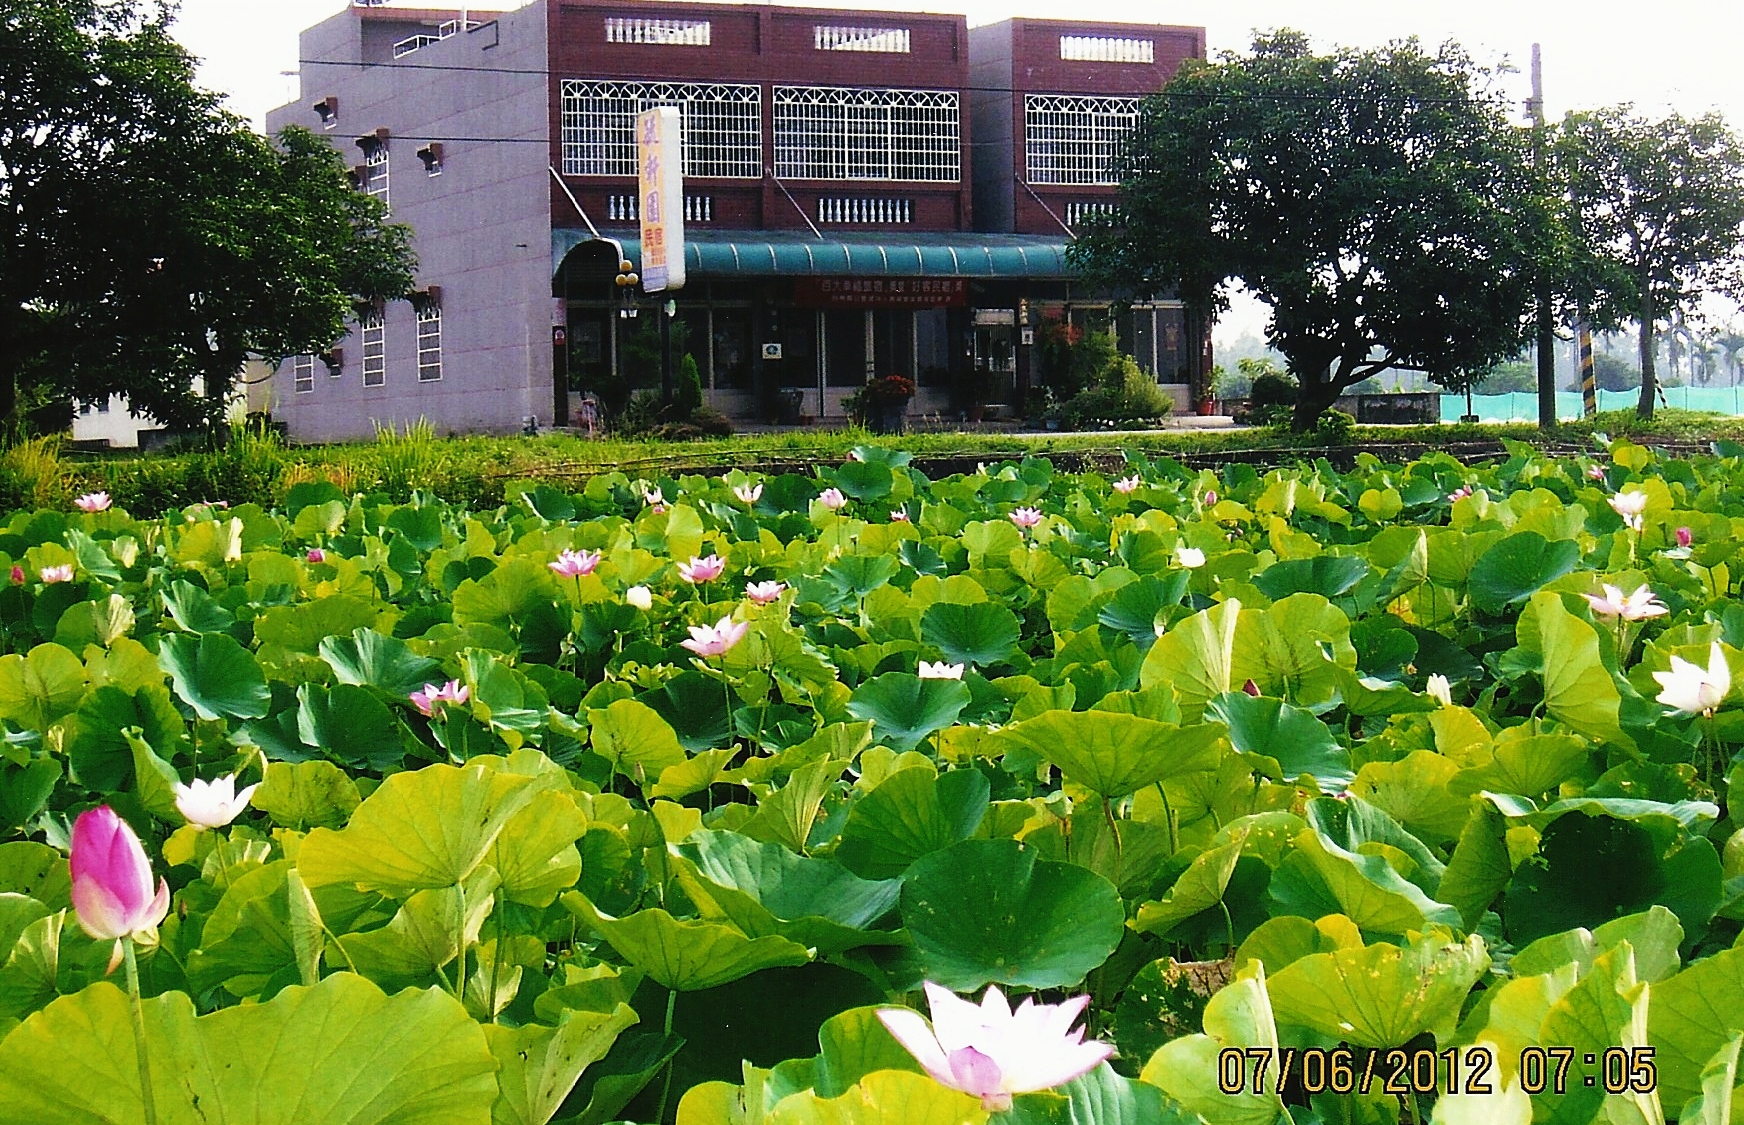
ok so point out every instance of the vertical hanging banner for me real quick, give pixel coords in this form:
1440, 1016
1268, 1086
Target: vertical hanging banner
660, 181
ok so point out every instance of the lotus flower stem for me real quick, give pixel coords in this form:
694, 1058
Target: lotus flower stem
1114, 831
460, 944
145, 1090
666, 1083
1169, 820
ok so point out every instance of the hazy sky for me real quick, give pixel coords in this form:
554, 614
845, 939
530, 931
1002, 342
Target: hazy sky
1686, 55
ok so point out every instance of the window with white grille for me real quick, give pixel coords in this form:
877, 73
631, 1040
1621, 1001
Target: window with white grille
303, 374
874, 40
375, 171
857, 210
838, 133
664, 33
1073, 139
429, 344
721, 126
1107, 48
373, 327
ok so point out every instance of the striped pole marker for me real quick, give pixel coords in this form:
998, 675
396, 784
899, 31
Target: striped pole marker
1589, 377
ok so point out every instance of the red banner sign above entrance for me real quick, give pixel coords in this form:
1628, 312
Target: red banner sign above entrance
880, 292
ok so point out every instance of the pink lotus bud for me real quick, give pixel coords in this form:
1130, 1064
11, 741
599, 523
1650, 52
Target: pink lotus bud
17, 575
112, 891
832, 498
1251, 688
1684, 538
1210, 498
316, 555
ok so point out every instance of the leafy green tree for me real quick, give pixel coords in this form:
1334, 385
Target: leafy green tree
1658, 207
1379, 202
148, 239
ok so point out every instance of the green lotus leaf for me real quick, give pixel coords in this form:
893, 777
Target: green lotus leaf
1713, 1106
1283, 742
635, 739
788, 815
103, 621
424, 829
424, 934
215, 676
1415, 791
1281, 941
249, 936
863, 480
1326, 575
195, 610
886, 1097
1199, 888
303, 627
904, 709
421, 526
1116, 754
788, 885
1518, 566
686, 955
506, 596
1526, 763
1239, 1016
982, 634
373, 659
1607, 1009
988, 912
859, 575
696, 708
37, 870
535, 854
1134, 608
1480, 867
338, 1053
540, 1065
1654, 935
546, 502
304, 795
351, 724
1691, 1016
608, 1085
1322, 878
1293, 649
1380, 995
39, 688
1592, 868
912, 813
1578, 688
1196, 656
99, 755
700, 772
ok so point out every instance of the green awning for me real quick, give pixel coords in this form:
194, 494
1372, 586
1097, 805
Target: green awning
880, 254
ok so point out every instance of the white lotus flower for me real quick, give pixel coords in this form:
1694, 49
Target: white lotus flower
1189, 557
940, 671
1694, 689
212, 804
748, 493
639, 596
1630, 505
992, 1052
1439, 689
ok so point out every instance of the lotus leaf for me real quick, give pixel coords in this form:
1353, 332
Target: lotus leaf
904, 709
686, 955
1380, 995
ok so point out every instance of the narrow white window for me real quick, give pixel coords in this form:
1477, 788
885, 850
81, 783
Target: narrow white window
303, 374
375, 349
429, 344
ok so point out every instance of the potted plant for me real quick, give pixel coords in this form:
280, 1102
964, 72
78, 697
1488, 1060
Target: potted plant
882, 404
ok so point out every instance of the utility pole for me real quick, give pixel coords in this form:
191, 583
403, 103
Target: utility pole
1546, 324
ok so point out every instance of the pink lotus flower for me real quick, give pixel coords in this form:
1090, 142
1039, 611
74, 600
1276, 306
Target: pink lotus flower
702, 570
713, 640
433, 699
1459, 493
1640, 605
1684, 538
62, 573
1210, 498
316, 555
1630, 505
92, 502
212, 804
1596, 473
575, 564
939, 671
764, 592
112, 891
832, 499
991, 1052
748, 494
899, 516
1026, 518
1127, 485
17, 575
653, 497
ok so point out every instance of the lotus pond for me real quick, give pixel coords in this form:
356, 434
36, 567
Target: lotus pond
690, 799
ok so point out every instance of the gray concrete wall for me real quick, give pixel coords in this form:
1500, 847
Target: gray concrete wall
990, 117
481, 228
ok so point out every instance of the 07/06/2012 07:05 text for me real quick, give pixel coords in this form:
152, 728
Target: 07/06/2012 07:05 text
1457, 1070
